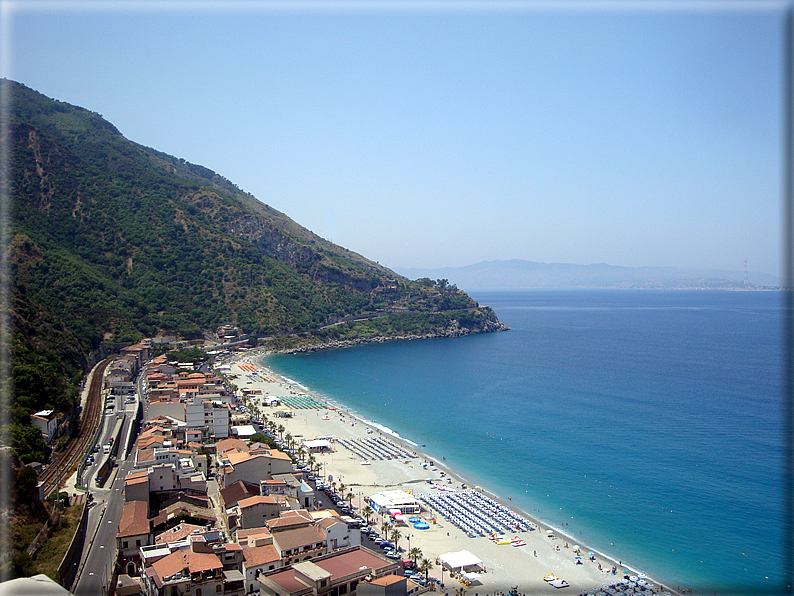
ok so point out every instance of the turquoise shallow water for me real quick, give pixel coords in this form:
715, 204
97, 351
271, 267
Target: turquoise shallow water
648, 422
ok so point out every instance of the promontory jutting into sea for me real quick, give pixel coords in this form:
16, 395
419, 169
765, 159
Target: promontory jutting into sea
642, 425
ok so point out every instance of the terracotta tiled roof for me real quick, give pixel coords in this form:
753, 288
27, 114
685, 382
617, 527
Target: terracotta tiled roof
327, 522
260, 555
136, 477
298, 537
186, 559
239, 490
388, 580
134, 519
146, 455
176, 533
244, 535
256, 500
229, 444
349, 562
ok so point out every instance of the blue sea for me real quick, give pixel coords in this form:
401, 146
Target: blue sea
646, 424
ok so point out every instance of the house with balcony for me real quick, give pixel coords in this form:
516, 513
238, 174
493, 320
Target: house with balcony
186, 572
134, 531
258, 560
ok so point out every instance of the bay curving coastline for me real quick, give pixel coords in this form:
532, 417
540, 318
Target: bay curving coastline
502, 575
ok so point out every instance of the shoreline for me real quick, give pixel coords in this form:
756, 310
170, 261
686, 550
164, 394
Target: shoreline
504, 568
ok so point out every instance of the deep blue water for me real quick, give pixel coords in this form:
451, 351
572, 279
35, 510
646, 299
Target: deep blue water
648, 421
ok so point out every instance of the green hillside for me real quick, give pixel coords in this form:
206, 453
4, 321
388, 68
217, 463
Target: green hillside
112, 241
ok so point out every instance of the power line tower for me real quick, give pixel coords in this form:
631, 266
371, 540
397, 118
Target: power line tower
746, 282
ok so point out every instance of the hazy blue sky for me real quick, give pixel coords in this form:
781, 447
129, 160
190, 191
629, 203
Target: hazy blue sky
632, 134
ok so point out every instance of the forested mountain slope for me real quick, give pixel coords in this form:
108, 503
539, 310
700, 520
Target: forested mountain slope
113, 241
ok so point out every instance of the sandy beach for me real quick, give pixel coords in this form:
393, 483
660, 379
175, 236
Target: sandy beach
505, 565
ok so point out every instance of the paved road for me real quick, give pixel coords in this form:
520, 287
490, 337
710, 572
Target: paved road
99, 551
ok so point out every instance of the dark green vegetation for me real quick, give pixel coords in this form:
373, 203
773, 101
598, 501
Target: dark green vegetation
112, 242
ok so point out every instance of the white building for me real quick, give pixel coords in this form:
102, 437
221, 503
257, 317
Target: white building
211, 417
395, 499
46, 422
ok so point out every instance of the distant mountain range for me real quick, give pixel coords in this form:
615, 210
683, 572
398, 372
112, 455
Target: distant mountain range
517, 274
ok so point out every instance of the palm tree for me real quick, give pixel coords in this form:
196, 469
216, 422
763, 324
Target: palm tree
288, 439
310, 461
366, 512
395, 537
384, 527
350, 496
415, 553
280, 430
425, 566
301, 452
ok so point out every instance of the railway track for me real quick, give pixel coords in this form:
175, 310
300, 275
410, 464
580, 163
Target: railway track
89, 420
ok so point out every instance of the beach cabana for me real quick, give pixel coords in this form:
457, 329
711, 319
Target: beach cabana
462, 560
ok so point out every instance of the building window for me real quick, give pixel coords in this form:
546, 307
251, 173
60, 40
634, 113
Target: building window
138, 542
218, 588
198, 591
124, 544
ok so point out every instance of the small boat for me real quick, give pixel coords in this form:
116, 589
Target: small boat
504, 542
364, 462
519, 542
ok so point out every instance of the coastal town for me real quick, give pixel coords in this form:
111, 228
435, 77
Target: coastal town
220, 477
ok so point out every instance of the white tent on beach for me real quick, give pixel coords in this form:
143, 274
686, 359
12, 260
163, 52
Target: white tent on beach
462, 560
318, 445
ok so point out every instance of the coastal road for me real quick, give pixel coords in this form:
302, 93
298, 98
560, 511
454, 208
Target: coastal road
99, 552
